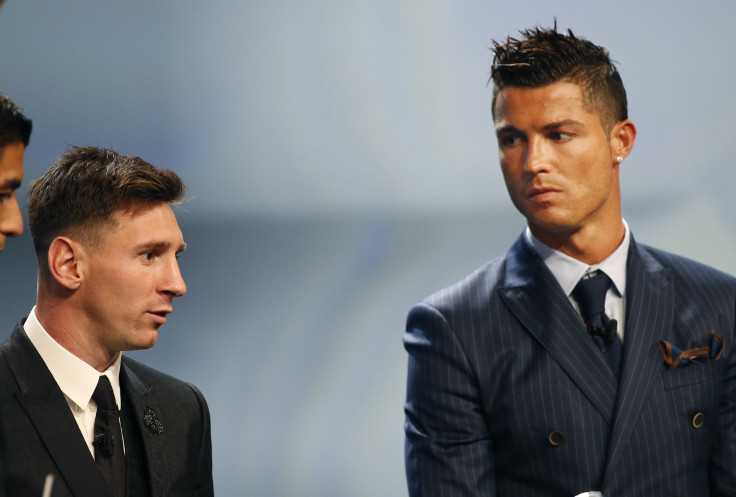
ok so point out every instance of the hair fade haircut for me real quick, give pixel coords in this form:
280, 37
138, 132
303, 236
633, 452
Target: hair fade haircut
83, 190
14, 126
543, 56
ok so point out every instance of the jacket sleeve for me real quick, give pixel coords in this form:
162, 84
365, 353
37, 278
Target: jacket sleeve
203, 486
448, 449
722, 466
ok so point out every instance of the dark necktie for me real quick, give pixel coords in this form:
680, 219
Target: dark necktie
108, 441
590, 294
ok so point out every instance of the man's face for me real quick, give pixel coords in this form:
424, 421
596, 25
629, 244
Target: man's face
557, 160
11, 175
131, 278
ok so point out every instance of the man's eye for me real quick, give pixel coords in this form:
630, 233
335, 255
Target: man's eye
148, 256
560, 136
509, 140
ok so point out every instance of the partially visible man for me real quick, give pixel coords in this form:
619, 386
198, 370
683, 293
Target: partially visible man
580, 360
73, 407
15, 133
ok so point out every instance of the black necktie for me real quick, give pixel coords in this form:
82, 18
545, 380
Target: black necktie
108, 441
590, 294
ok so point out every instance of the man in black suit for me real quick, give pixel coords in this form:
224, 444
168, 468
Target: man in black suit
73, 408
581, 361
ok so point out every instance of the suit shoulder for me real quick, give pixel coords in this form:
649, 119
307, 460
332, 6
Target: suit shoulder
691, 271
476, 287
148, 373
164, 383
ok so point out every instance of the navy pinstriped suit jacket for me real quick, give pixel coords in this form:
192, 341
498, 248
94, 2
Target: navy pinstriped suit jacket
501, 360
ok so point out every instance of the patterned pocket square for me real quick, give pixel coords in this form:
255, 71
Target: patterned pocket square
675, 357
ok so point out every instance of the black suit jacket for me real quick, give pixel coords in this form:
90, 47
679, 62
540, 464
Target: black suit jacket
43, 438
508, 395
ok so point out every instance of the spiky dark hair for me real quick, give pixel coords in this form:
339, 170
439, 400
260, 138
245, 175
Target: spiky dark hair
542, 56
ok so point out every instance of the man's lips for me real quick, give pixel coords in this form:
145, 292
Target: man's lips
542, 193
160, 315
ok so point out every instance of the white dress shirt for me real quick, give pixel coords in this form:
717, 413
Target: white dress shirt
568, 271
76, 379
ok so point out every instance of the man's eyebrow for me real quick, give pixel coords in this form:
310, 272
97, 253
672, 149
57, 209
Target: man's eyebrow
563, 123
12, 184
555, 125
160, 245
508, 129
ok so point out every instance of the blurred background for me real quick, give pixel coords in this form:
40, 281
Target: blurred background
342, 165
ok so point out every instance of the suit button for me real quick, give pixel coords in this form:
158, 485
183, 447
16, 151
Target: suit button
556, 438
698, 420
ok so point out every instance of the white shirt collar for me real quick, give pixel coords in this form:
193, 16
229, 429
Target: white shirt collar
75, 378
568, 270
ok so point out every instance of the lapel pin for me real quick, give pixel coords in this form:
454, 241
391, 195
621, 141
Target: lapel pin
152, 422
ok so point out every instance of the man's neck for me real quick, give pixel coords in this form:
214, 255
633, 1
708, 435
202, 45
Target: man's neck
587, 245
69, 333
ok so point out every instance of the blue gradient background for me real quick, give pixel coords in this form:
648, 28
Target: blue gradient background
342, 165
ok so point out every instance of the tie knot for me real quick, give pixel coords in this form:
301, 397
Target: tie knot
590, 293
103, 395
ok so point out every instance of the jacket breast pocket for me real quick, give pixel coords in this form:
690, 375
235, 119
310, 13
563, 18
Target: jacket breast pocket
693, 390
688, 406
692, 374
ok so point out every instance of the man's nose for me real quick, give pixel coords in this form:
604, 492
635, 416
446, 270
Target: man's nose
11, 220
173, 283
537, 156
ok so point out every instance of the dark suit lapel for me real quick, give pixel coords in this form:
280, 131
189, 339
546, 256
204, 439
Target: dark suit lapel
538, 302
48, 410
143, 399
649, 318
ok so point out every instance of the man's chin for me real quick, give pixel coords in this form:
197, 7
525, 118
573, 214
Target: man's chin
550, 224
151, 342
144, 344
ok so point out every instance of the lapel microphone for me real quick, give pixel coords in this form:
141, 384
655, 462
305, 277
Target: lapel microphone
606, 332
104, 443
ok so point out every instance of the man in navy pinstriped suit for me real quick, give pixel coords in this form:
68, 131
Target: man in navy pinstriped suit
508, 394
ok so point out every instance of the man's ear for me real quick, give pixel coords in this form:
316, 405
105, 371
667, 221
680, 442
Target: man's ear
65, 262
623, 135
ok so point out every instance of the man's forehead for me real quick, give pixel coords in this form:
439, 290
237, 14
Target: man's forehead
556, 102
560, 90
146, 218
11, 165
135, 210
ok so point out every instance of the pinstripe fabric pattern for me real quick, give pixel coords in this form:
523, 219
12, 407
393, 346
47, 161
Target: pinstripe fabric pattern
500, 361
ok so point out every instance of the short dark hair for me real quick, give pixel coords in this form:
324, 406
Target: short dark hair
86, 186
14, 126
543, 56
